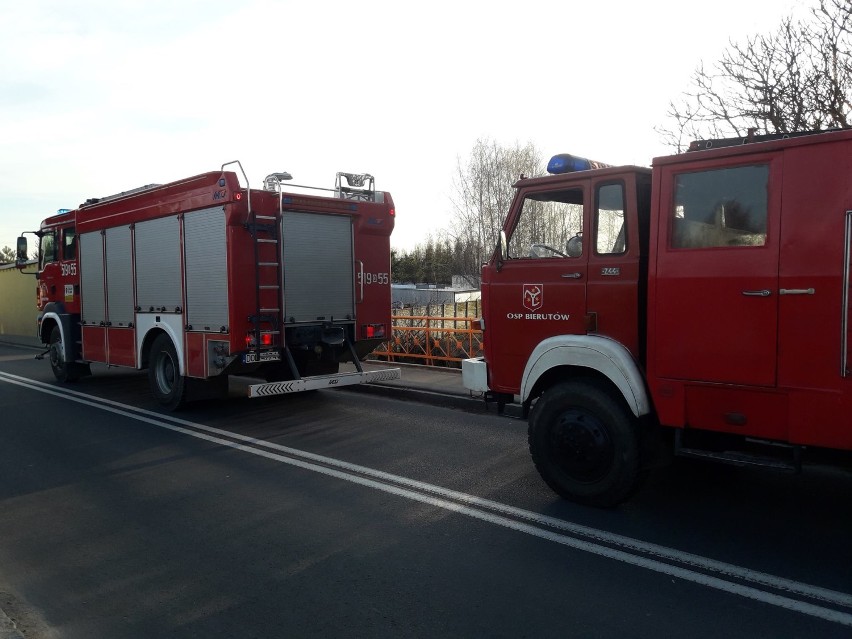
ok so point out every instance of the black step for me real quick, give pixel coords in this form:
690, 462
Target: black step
737, 458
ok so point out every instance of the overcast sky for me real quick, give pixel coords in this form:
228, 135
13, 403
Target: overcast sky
101, 96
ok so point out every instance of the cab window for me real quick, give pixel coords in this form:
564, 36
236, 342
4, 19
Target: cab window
47, 248
720, 207
69, 244
550, 226
610, 228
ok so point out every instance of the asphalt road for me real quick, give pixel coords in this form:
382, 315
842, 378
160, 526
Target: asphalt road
351, 514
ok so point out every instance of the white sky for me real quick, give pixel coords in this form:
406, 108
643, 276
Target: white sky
101, 96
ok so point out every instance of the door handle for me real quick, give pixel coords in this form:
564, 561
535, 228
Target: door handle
796, 291
361, 278
761, 293
573, 276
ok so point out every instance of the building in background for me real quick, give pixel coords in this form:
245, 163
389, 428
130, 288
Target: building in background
18, 303
408, 295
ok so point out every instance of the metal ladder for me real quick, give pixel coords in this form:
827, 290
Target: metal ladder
264, 231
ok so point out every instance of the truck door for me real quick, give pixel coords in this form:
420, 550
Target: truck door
616, 278
540, 290
716, 284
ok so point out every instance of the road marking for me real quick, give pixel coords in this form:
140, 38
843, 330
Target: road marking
723, 576
15, 358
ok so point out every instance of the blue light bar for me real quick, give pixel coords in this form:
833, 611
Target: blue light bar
63, 211
565, 163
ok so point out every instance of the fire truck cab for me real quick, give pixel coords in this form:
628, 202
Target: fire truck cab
702, 304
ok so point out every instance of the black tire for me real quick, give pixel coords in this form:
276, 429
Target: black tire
167, 384
64, 371
585, 444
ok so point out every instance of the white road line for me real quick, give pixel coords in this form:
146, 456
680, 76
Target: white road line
466, 507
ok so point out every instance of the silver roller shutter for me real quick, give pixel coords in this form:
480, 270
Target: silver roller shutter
119, 276
158, 281
92, 278
318, 267
206, 261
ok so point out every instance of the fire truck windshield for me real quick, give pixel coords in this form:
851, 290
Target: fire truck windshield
47, 248
547, 223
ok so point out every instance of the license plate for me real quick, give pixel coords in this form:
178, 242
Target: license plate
263, 356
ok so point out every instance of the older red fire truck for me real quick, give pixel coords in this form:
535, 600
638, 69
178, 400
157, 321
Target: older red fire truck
202, 278
703, 303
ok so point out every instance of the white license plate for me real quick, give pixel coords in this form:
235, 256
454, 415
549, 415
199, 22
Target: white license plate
264, 356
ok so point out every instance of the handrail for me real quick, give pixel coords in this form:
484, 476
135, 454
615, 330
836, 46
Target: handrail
844, 319
248, 186
431, 340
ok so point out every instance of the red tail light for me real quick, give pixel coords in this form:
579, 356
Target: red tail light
265, 340
370, 331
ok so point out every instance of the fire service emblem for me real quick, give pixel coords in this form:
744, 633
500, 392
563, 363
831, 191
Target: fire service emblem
533, 296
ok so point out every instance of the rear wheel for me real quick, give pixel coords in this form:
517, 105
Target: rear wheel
585, 444
63, 370
167, 384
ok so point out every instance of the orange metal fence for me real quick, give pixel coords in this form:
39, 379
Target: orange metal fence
433, 341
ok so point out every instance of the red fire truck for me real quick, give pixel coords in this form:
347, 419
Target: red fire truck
201, 279
702, 303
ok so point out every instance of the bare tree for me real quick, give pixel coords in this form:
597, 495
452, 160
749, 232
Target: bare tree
7, 255
483, 194
798, 78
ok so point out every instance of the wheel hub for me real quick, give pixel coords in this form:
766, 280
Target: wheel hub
166, 374
56, 357
581, 445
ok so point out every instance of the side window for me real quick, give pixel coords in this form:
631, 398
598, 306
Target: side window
550, 226
47, 248
69, 244
610, 227
720, 207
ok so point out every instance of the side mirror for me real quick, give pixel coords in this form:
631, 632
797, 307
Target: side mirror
574, 248
22, 251
502, 251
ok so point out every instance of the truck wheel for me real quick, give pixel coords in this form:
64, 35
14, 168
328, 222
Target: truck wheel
167, 384
584, 444
64, 371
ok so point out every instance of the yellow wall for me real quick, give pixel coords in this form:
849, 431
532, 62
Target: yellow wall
17, 301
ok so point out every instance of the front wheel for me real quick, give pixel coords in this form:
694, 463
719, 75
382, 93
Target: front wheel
63, 370
167, 384
585, 444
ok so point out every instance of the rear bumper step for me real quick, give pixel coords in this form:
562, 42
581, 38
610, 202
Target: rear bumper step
319, 382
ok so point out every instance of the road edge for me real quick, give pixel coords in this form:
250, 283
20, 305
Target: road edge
8, 628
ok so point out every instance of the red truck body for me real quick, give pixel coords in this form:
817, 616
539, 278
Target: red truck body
707, 295
201, 278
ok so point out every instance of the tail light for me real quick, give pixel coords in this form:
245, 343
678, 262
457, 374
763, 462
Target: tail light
371, 331
265, 339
